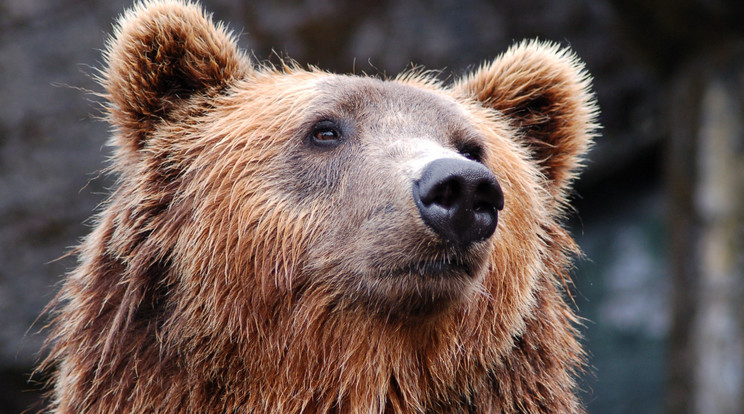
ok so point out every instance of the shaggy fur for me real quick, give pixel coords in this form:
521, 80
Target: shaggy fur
235, 268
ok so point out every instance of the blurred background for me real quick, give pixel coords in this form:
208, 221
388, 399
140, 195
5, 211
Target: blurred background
660, 206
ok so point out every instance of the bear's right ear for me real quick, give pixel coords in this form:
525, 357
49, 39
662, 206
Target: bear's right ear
545, 92
163, 52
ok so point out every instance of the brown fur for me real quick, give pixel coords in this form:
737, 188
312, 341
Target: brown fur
234, 269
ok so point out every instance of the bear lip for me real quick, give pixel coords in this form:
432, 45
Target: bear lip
434, 269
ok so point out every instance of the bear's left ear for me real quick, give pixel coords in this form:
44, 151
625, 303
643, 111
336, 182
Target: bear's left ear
162, 53
545, 92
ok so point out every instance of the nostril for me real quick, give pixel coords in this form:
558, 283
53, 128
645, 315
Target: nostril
483, 207
444, 193
488, 195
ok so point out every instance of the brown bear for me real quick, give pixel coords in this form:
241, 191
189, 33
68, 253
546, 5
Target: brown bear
289, 240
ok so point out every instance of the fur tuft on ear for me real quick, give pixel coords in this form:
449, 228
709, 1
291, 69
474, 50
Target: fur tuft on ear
163, 52
546, 92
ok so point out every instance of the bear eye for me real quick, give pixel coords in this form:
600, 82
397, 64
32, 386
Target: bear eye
325, 134
471, 151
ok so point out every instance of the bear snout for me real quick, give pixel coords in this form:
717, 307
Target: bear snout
459, 200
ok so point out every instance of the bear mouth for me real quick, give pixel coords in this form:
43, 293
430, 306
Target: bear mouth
420, 290
420, 283
434, 269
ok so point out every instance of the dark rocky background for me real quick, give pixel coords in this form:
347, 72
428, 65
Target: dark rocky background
664, 321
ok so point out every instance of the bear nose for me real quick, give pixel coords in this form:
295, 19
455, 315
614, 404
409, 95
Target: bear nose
458, 199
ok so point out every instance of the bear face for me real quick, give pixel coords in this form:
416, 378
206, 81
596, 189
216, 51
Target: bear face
374, 244
291, 240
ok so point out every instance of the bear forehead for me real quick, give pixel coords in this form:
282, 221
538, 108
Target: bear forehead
380, 103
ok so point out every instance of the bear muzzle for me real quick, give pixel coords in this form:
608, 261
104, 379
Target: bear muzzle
459, 200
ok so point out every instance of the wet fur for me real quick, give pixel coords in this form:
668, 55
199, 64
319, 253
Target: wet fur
233, 269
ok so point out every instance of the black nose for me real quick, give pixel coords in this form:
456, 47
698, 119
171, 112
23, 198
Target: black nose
459, 200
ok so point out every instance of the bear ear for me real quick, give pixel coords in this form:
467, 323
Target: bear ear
162, 53
545, 92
